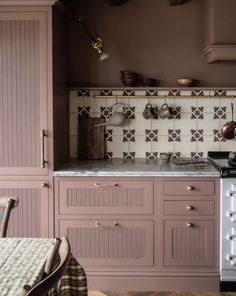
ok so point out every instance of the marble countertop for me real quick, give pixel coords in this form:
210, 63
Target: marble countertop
137, 168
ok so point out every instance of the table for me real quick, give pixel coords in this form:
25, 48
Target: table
22, 263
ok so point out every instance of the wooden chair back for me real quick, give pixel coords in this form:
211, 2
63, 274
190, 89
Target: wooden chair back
7, 203
43, 287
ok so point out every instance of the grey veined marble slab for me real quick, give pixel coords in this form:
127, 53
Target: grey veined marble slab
136, 168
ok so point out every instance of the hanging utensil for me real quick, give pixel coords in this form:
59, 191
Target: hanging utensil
228, 129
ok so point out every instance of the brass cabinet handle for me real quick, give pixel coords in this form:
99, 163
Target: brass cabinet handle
107, 225
189, 225
106, 185
189, 208
189, 188
42, 135
44, 185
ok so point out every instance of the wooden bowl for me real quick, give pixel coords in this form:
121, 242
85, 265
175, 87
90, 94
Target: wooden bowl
185, 82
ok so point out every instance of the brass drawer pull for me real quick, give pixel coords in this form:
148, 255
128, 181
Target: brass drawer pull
44, 185
42, 135
107, 225
190, 188
189, 225
189, 208
106, 185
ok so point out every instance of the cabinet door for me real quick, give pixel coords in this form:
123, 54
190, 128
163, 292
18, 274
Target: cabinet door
23, 92
189, 243
110, 242
31, 217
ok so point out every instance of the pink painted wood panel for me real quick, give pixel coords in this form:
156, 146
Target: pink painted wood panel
31, 217
23, 101
188, 187
188, 207
189, 246
105, 197
130, 243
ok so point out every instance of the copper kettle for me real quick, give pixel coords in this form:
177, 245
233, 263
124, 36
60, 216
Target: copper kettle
228, 129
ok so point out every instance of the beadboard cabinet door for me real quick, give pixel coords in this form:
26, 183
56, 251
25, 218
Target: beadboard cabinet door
31, 217
23, 91
106, 242
189, 243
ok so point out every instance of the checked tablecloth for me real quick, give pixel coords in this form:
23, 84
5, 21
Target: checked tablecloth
22, 263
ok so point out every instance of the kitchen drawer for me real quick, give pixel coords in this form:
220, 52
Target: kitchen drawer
186, 207
189, 243
105, 197
102, 242
188, 188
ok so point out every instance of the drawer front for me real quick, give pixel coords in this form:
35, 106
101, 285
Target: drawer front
186, 207
189, 243
110, 242
105, 197
188, 188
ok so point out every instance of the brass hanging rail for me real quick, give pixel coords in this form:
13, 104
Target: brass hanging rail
163, 96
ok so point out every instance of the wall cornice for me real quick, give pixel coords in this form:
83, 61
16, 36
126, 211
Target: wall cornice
10, 3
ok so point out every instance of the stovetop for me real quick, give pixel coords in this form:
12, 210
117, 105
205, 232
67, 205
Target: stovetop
220, 160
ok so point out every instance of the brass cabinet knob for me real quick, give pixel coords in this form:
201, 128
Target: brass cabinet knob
44, 185
189, 225
189, 188
189, 208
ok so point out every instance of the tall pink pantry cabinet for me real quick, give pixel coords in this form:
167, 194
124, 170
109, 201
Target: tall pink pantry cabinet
27, 90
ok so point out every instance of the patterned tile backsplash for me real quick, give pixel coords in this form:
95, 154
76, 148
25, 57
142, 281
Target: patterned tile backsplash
191, 130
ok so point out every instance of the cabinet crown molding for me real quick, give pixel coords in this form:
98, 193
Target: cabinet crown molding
215, 53
27, 2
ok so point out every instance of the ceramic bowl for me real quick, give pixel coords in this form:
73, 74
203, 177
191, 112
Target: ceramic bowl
165, 156
184, 82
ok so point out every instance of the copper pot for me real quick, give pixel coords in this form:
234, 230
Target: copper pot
228, 129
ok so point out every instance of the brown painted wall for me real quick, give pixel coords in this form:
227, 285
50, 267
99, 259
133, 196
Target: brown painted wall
146, 36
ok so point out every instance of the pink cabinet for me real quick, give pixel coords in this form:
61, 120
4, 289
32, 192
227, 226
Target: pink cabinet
24, 91
31, 217
189, 243
142, 233
110, 242
105, 196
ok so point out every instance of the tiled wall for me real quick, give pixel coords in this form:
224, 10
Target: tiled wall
191, 132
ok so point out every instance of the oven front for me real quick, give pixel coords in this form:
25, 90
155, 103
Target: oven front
228, 234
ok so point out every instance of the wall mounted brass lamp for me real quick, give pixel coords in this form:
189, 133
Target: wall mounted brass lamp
96, 43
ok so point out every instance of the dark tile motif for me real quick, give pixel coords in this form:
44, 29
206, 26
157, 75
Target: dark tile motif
197, 92
108, 135
106, 112
151, 93
220, 92
155, 111
175, 113
83, 93
108, 155
128, 135
197, 112
129, 112
151, 135
129, 155
106, 92
83, 112
220, 112
174, 92
176, 155
197, 155
128, 93
197, 135
174, 135
151, 155
217, 136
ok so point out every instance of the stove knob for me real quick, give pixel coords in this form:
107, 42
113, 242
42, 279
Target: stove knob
228, 257
229, 237
229, 214
229, 193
